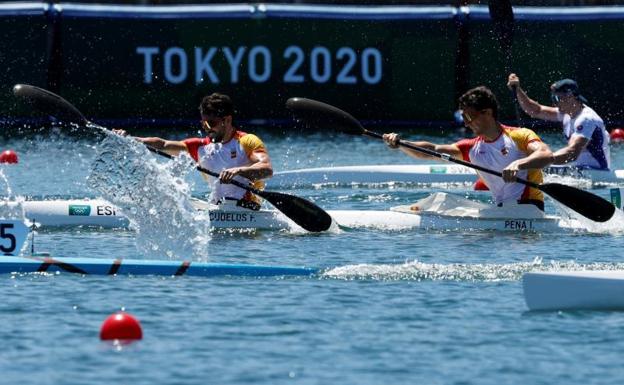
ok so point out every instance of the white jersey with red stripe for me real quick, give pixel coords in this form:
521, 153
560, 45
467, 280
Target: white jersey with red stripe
511, 144
217, 157
587, 124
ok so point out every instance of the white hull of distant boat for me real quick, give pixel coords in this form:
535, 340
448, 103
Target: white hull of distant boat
405, 173
67, 213
440, 211
574, 290
416, 174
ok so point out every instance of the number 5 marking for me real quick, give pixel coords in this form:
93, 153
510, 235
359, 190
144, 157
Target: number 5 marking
7, 235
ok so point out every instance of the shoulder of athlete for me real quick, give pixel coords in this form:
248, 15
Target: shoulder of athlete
526, 139
587, 123
520, 131
591, 116
251, 143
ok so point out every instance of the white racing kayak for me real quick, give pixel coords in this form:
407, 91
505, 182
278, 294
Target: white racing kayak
75, 212
440, 211
574, 290
417, 174
404, 173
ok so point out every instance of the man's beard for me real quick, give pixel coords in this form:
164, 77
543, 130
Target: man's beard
215, 137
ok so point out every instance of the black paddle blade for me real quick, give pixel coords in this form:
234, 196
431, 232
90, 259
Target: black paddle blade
303, 212
49, 103
585, 203
322, 115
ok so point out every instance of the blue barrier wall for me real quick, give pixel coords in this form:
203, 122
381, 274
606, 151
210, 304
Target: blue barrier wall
391, 65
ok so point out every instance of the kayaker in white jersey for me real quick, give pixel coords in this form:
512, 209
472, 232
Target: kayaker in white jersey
588, 139
232, 153
516, 152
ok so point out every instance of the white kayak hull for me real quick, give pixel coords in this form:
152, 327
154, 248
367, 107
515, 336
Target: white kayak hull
574, 290
75, 212
393, 220
407, 173
416, 174
99, 213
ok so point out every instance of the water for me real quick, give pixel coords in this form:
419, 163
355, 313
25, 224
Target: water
397, 307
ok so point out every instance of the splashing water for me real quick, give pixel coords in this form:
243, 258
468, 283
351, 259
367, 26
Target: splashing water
575, 181
614, 226
11, 207
155, 197
488, 272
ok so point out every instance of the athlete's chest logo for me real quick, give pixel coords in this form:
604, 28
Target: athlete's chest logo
233, 154
505, 151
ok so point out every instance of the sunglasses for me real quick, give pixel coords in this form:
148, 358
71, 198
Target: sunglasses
467, 118
211, 122
556, 98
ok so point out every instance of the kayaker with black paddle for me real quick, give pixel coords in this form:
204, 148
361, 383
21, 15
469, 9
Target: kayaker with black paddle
319, 114
234, 154
304, 213
518, 152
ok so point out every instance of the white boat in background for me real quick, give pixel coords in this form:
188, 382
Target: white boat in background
574, 290
74, 212
405, 173
417, 174
440, 211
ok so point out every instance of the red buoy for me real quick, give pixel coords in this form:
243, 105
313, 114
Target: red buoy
617, 135
8, 156
480, 185
121, 326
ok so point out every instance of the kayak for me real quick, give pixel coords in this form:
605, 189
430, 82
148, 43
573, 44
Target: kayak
439, 211
574, 290
417, 174
405, 173
74, 212
102, 266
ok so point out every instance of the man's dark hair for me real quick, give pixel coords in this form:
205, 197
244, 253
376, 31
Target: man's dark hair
480, 98
216, 104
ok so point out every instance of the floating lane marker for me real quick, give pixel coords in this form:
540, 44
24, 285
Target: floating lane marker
121, 326
103, 266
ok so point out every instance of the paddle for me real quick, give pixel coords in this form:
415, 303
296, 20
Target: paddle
303, 212
317, 113
501, 13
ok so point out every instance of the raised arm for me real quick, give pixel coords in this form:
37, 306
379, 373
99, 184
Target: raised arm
530, 106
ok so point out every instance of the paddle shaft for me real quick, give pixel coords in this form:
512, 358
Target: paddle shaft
449, 158
501, 13
514, 96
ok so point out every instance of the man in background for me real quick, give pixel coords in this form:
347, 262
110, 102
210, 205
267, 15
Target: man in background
588, 139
